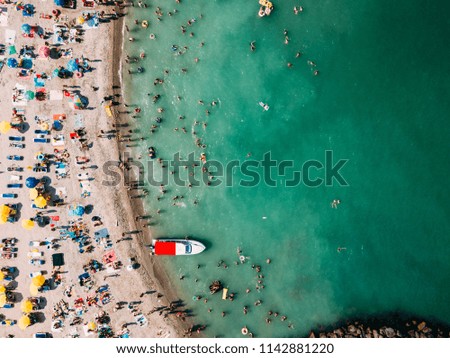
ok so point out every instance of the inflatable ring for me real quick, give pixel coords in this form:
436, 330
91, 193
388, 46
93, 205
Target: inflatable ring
78, 74
145, 24
152, 36
244, 331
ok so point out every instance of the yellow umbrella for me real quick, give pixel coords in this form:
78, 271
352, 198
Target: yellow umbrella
2, 299
80, 20
92, 326
24, 322
2, 275
26, 306
40, 202
5, 210
28, 224
3, 219
33, 193
45, 126
38, 281
5, 127
33, 290
2, 289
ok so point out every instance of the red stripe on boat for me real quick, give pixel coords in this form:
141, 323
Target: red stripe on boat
165, 248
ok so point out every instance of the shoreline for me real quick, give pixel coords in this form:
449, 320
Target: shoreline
153, 273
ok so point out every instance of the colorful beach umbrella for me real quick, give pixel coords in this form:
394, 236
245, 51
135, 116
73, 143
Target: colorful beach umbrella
29, 95
26, 29
38, 281
24, 322
40, 202
44, 51
27, 224
5, 127
26, 306
34, 290
31, 182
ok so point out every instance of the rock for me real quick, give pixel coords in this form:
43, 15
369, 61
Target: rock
421, 326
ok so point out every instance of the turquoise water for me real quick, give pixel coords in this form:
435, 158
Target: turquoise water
380, 100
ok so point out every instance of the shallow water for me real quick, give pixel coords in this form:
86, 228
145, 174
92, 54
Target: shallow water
380, 101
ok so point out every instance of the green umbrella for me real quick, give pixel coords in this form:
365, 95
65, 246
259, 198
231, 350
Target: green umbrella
29, 95
12, 50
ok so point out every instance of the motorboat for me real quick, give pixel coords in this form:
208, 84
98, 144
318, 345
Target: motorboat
173, 247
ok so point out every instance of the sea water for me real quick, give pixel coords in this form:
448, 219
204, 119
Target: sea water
380, 101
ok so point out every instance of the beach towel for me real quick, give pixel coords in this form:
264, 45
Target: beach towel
79, 121
10, 36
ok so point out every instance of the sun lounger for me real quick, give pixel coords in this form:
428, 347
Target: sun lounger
14, 186
41, 140
9, 195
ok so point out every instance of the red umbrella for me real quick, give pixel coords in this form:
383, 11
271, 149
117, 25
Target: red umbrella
44, 51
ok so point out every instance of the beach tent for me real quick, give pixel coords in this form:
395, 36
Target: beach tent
34, 290
40, 202
38, 281
27, 224
33, 193
31, 182
29, 95
11, 63
26, 306
26, 29
24, 322
5, 127
44, 51
58, 260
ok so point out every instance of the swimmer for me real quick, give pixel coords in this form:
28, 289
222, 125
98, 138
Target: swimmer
298, 54
335, 203
252, 46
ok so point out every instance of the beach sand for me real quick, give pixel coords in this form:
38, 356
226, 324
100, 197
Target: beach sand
102, 46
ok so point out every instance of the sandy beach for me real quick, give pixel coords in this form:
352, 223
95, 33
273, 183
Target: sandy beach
114, 295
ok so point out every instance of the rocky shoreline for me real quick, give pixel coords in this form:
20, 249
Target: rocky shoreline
387, 326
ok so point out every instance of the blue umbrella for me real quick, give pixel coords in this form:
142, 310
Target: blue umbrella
12, 63
26, 28
72, 66
79, 210
60, 2
57, 125
31, 182
55, 72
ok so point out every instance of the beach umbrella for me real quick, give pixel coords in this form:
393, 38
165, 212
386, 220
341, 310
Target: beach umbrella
34, 290
40, 202
38, 281
44, 51
31, 182
27, 224
5, 127
29, 95
55, 72
77, 102
33, 193
92, 326
5, 210
12, 50
24, 322
26, 306
55, 53
60, 2
11, 63
57, 125
79, 210
2, 275
80, 20
26, 29
3, 219
2, 299
72, 65
2, 289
